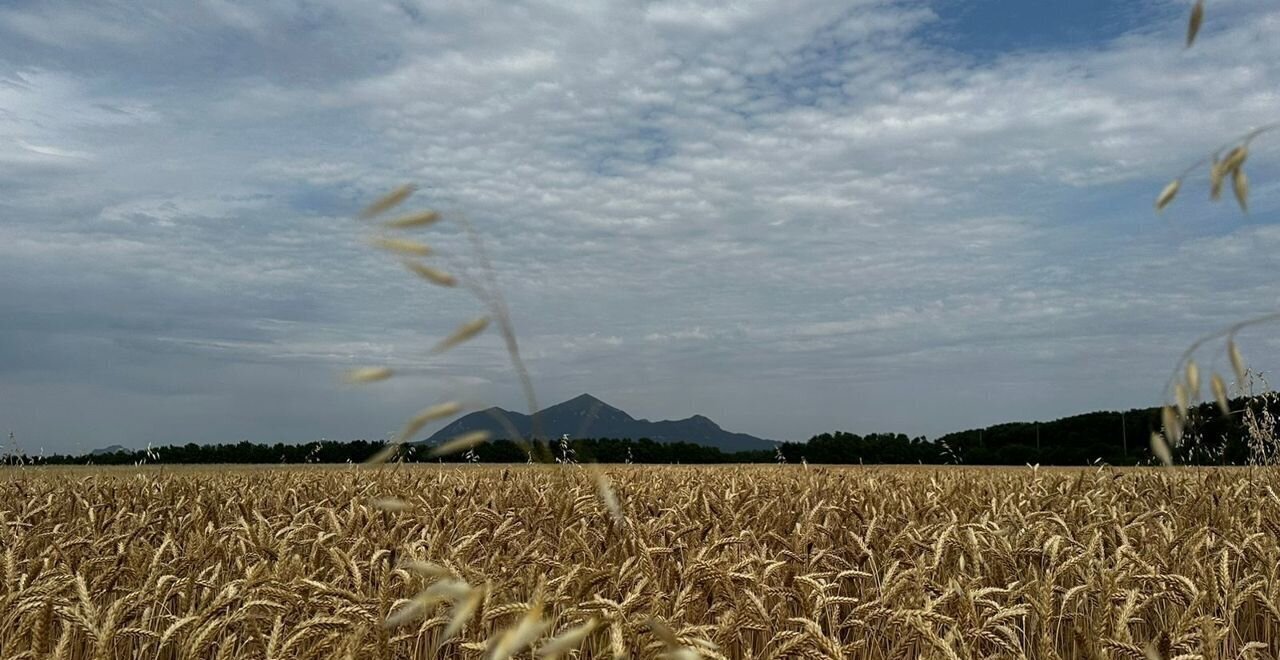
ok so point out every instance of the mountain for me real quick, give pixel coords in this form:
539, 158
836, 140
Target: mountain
585, 416
102, 451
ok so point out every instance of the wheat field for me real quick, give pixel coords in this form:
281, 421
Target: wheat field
719, 562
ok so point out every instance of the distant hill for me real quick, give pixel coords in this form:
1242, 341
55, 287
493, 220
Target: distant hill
585, 416
102, 451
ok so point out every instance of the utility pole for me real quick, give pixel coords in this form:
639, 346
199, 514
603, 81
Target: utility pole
12, 452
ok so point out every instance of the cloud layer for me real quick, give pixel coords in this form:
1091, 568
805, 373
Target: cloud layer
792, 217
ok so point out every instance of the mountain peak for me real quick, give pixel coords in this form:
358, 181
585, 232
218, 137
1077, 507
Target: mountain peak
586, 416
582, 402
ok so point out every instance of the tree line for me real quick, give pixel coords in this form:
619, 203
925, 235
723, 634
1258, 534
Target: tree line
1115, 438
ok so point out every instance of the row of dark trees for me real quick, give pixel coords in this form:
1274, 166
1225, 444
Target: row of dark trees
1103, 437
585, 450
1115, 438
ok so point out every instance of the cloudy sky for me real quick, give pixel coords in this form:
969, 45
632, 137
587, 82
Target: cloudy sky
792, 216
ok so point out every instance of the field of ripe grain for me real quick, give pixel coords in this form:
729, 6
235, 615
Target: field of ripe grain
737, 562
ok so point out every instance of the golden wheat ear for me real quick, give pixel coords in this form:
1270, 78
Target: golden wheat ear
462, 334
402, 246
388, 201
1193, 23
413, 220
426, 416
432, 275
391, 504
368, 374
462, 443
1166, 196
567, 640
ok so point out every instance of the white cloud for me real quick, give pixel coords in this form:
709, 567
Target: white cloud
692, 207
68, 27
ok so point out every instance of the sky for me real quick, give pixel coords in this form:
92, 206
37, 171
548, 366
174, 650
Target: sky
793, 217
